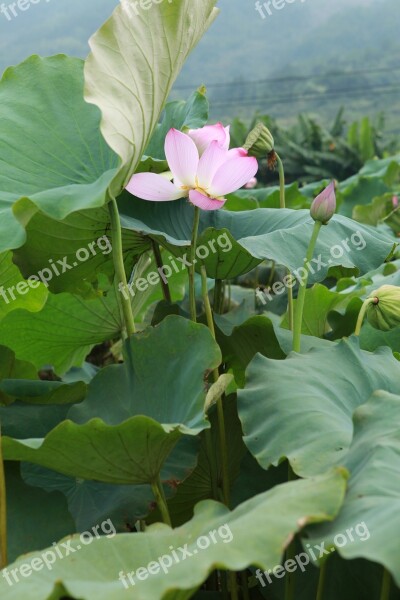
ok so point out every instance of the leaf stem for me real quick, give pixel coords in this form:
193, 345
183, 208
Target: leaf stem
386, 585
3, 512
159, 495
220, 408
282, 204
281, 171
219, 298
298, 314
160, 264
362, 314
245, 586
321, 580
192, 268
118, 257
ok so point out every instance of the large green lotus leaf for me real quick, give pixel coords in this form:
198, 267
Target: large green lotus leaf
126, 54
239, 348
267, 198
237, 241
192, 114
79, 247
31, 298
377, 211
91, 502
255, 533
371, 338
35, 518
64, 331
181, 352
373, 495
12, 368
133, 452
311, 397
43, 392
148, 415
52, 154
374, 179
345, 579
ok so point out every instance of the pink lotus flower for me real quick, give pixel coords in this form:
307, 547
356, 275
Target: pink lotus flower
205, 175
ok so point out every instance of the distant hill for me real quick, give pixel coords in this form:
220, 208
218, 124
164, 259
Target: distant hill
298, 45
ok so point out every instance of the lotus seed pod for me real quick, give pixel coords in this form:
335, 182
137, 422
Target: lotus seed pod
384, 314
259, 142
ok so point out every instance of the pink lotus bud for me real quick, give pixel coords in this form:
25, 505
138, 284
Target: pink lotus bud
324, 206
251, 184
395, 201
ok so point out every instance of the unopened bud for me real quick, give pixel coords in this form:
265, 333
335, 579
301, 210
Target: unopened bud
324, 206
384, 312
259, 142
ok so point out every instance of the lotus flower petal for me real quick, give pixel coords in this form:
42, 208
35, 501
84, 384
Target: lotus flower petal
182, 156
210, 133
205, 202
233, 175
149, 186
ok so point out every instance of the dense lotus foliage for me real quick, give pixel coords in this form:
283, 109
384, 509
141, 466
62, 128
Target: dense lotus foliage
199, 377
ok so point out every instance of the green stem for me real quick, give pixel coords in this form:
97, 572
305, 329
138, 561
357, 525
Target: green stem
321, 580
362, 314
160, 265
221, 421
3, 512
118, 257
218, 297
282, 204
233, 586
298, 314
192, 268
245, 586
220, 408
291, 551
159, 495
386, 585
213, 466
290, 306
281, 170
